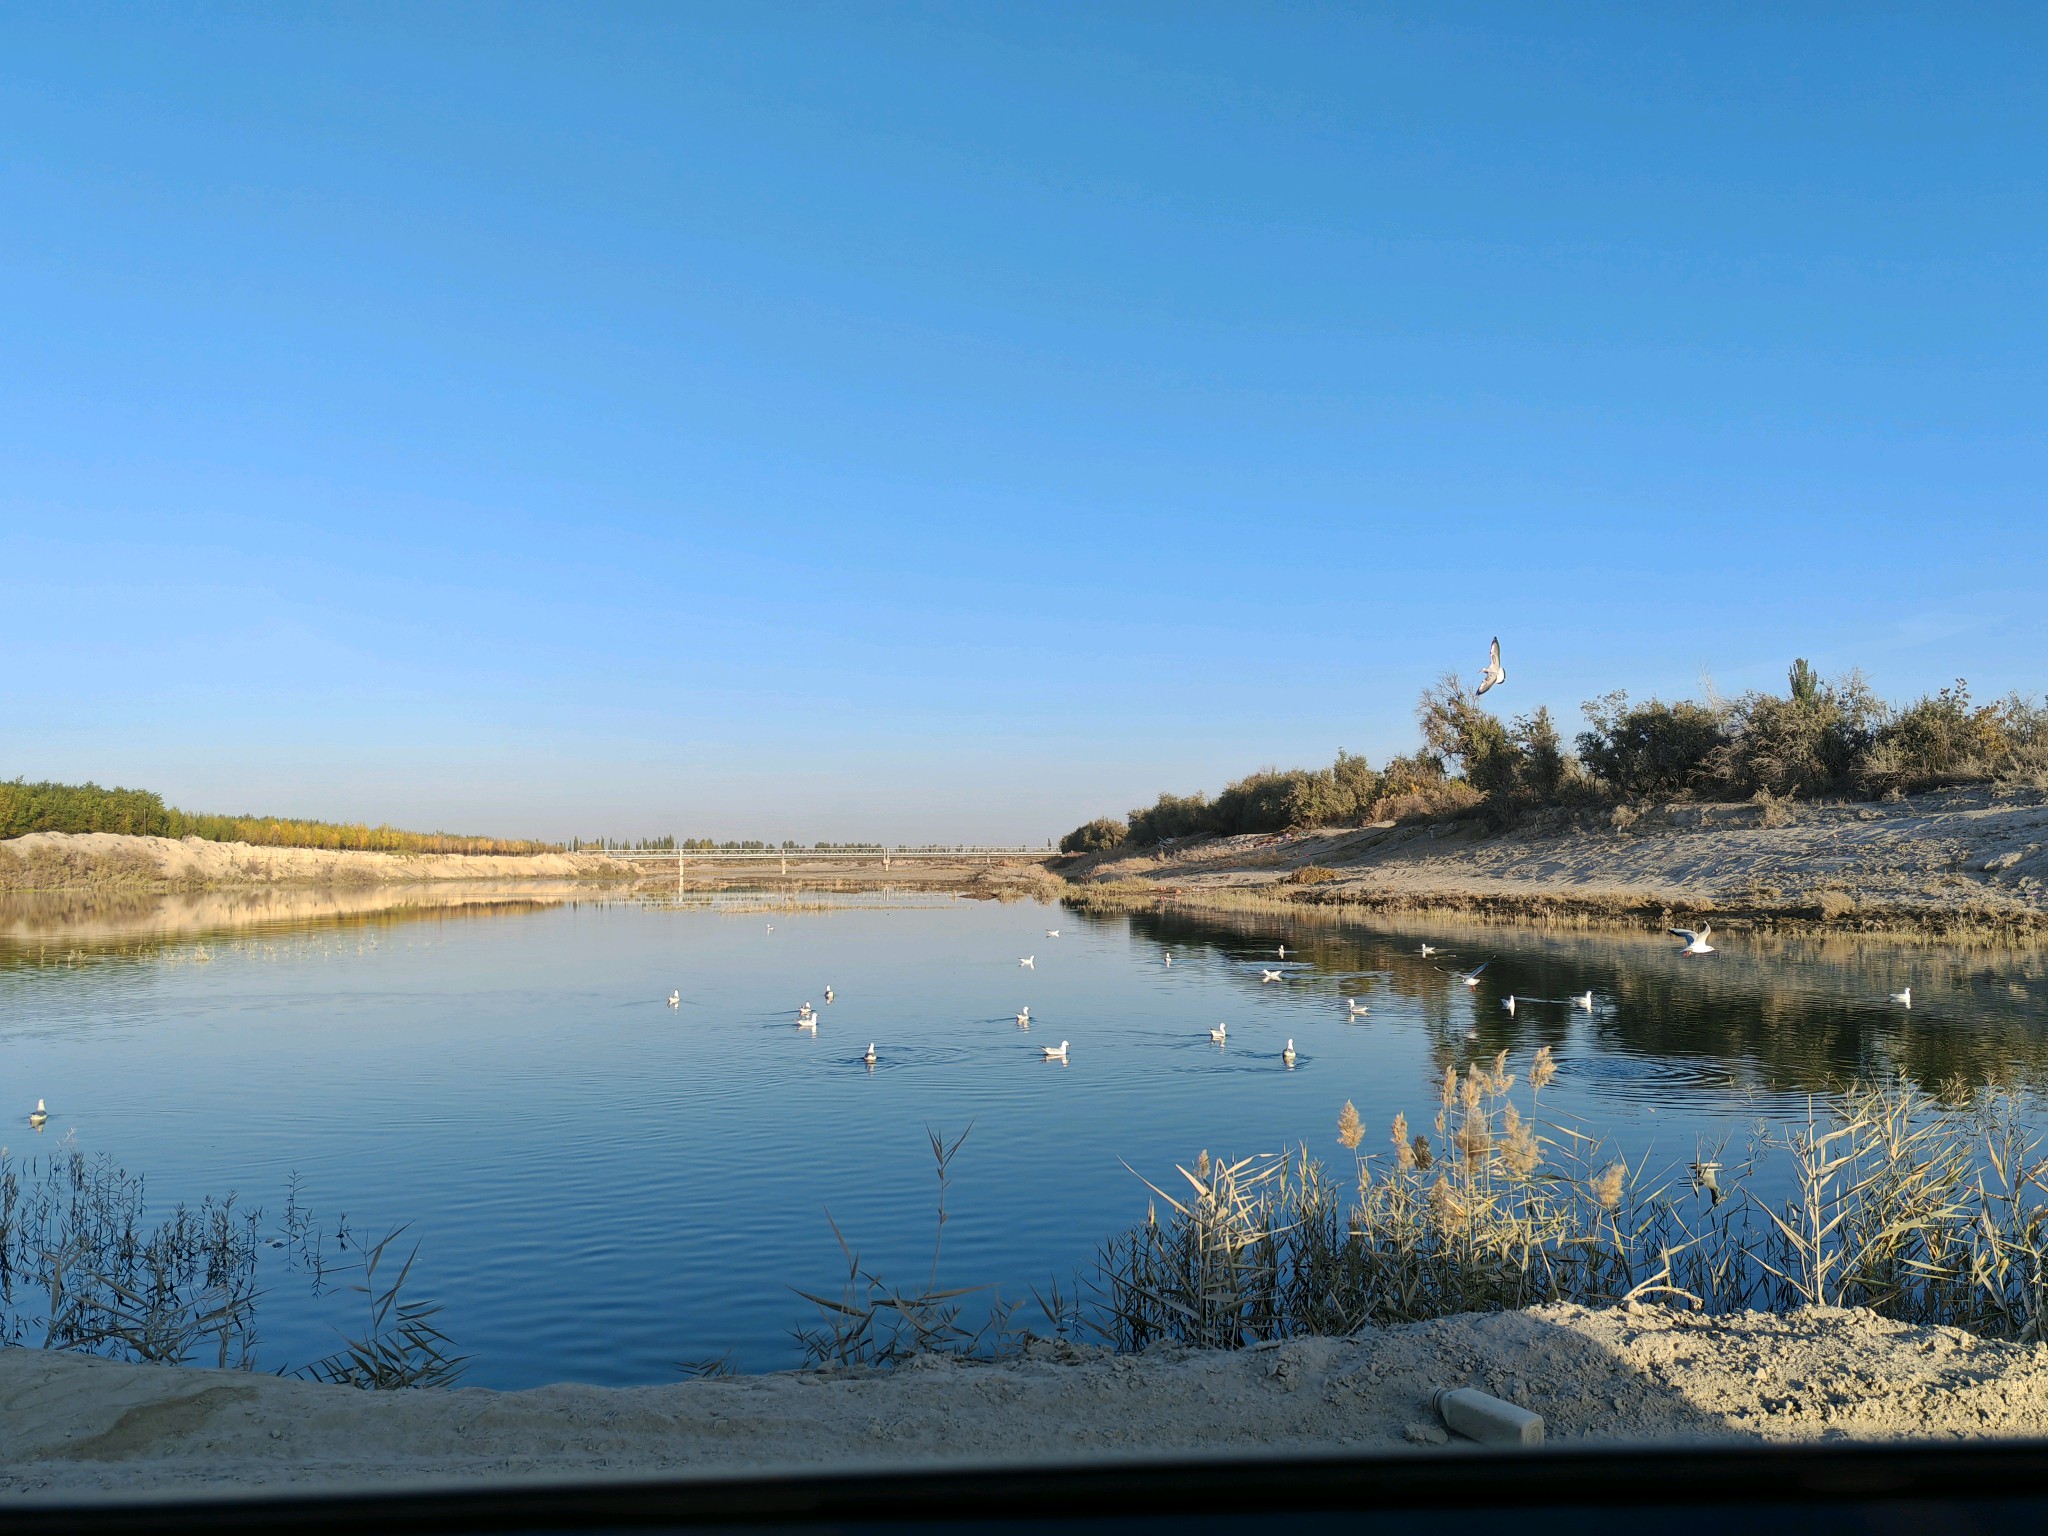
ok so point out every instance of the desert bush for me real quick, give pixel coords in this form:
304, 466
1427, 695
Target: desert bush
1807, 743
1172, 816
1312, 874
1653, 750
1944, 739
1102, 833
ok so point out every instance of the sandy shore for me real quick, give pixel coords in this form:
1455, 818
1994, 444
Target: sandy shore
1959, 859
75, 1427
49, 861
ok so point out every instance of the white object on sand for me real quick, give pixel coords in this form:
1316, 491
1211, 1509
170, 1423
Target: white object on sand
1480, 1416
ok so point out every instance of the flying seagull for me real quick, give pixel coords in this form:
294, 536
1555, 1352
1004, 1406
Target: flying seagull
1471, 977
1508, 1002
1695, 943
1266, 975
1027, 962
1493, 676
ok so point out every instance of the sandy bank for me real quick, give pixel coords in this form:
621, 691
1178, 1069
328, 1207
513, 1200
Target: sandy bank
76, 1426
49, 861
1957, 859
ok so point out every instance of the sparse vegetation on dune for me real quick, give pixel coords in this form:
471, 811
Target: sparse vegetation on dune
1820, 737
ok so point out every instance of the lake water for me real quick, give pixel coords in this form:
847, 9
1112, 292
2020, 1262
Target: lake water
604, 1186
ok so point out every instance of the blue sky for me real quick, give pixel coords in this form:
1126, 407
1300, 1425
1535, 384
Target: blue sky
953, 422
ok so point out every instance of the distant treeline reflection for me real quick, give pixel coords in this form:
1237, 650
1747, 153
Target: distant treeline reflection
1794, 1014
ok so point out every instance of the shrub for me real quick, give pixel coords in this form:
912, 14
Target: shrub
1806, 743
1172, 816
1944, 740
1312, 874
1094, 836
1646, 751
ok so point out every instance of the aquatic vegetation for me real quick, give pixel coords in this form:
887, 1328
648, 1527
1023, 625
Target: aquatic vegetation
82, 1268
1926, 1212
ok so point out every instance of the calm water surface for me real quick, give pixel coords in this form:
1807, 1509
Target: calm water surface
605, 1186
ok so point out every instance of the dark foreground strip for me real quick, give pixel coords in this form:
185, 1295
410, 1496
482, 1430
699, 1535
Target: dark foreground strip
1910, 1490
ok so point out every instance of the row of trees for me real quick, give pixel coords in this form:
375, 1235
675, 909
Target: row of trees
1820, 737
46, 807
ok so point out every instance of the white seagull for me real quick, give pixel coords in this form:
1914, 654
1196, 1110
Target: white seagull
1026, 962
1493, 676
1471, 977
1288, 1054
1056, 1052
1353, 1005
1266, 975
1508, 1002
1427, 949
828, 994
808, 1021
1903, 999
1695, 943
675, 999
1169, 959
1584, 1000
1283, 951
1219, 1033
1052, 933
1023, 1018
40, 1115
870, 1057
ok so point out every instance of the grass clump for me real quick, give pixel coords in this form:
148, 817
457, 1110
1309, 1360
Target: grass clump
1312, 874
1924, 1214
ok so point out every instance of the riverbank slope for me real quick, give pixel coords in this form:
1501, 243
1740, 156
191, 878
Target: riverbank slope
1948, 861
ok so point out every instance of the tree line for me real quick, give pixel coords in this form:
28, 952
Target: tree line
48, 807
1820, 737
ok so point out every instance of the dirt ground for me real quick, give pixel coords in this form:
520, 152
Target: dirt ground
1957, 858
73, 1427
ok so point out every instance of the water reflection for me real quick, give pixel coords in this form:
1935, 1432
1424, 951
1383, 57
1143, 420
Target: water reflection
1784, 1013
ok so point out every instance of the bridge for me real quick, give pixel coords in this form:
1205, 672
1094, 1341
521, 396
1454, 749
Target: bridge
888, 858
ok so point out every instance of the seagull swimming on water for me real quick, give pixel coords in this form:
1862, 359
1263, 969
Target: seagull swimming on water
1493, 676
1056, 1052
1427, 949
1584, 1000
1024, 1018
39, 1116
1353, 1005
870, 1057
1288, 1054
675, 999
1903, 999
1695, 943
1052, 933
828, 994
1026, 962
1508, 1003
1283, 951
1220, 1033
1266, 975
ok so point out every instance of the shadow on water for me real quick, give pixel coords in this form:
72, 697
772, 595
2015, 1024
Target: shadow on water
1799, 1013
